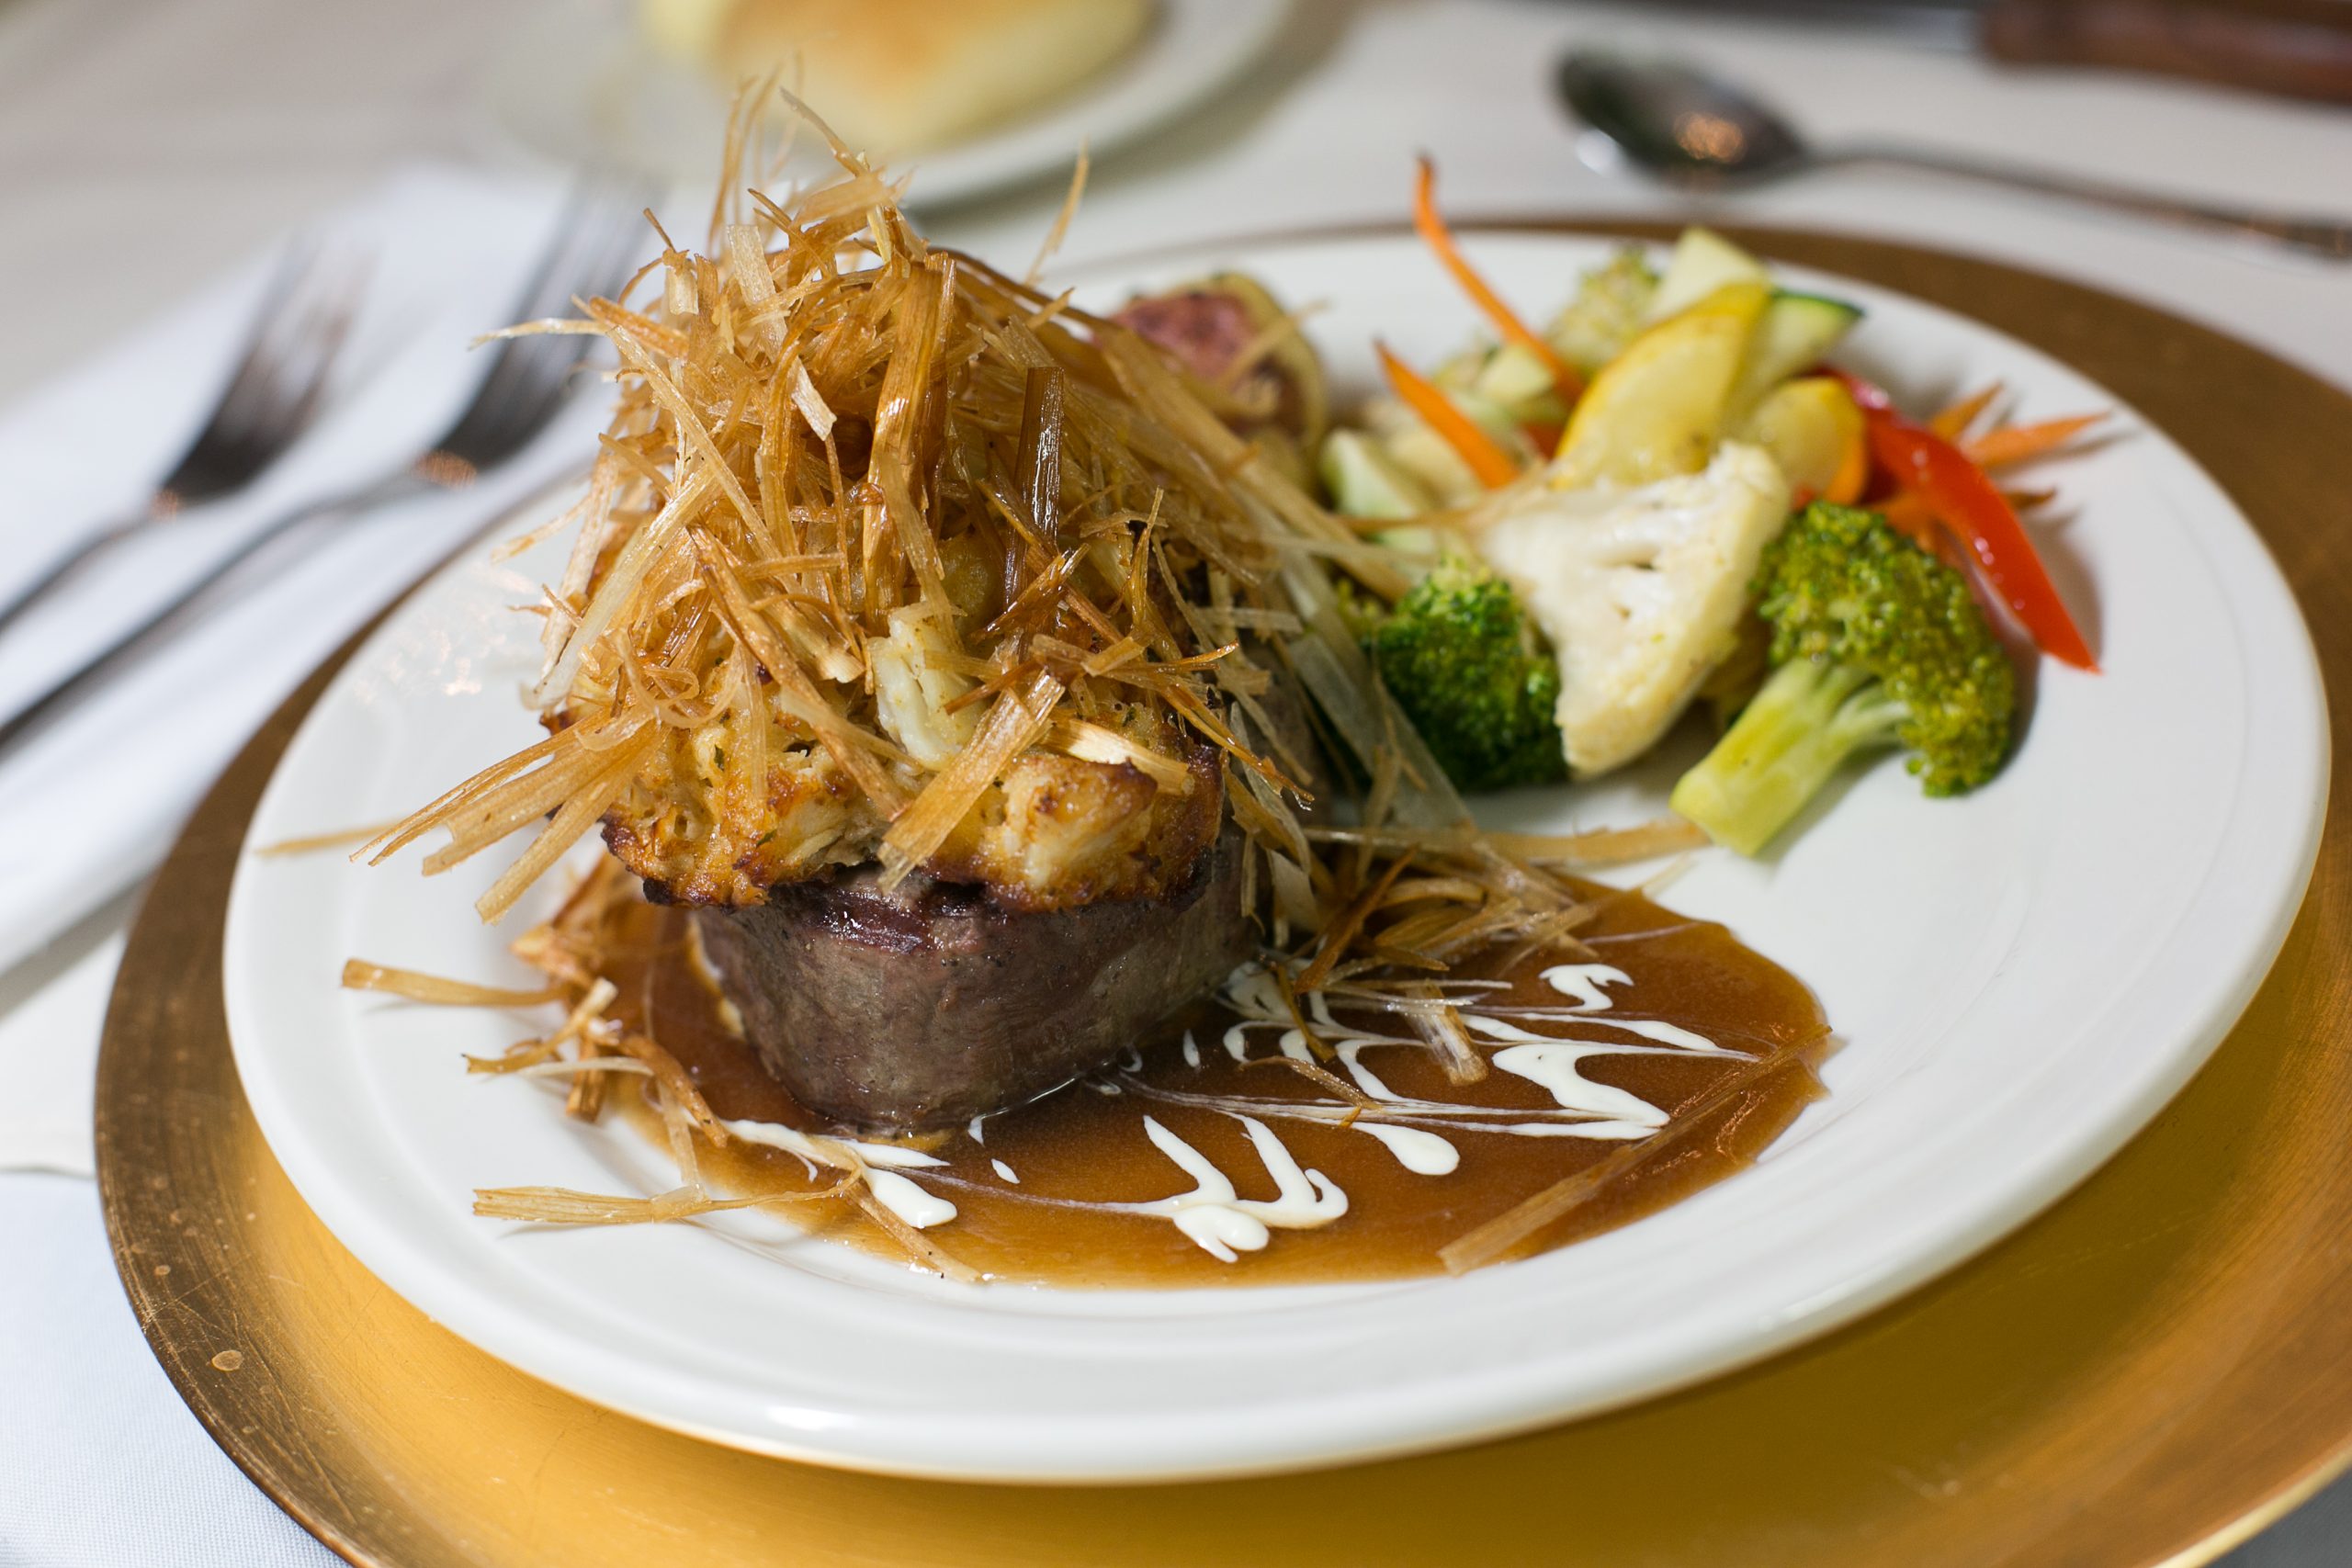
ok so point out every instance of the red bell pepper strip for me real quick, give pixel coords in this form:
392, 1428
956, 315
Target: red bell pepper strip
1494, 466
1965, 500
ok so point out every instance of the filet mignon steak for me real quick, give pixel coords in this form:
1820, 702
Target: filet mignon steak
929, 1004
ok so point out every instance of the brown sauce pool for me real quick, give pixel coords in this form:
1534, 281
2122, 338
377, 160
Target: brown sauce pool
1086, 1145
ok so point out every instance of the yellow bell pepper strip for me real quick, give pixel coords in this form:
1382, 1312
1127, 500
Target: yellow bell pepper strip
1439, 240
1969, 503
1494, 466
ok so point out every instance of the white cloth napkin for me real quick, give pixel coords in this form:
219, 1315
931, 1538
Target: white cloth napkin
48, 1049
104, 1465
90, 804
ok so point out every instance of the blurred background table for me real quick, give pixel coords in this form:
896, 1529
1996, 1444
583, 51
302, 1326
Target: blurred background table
148, 145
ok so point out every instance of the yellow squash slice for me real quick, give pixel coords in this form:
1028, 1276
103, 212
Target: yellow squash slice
1658, 408
1813, 431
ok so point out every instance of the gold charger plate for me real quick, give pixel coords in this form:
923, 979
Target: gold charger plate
2148, 1372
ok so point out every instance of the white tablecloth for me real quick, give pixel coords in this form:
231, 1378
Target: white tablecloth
149, 146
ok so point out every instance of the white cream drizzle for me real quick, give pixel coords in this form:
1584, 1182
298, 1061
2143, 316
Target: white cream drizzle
1553, 1067
1423, 1154
919, 1206
876, 1165
1352, 1057
1500, 1028
1583, 981
1225, 1225
1598, 1130
1656, 1029
1672, 1034
1218, 1219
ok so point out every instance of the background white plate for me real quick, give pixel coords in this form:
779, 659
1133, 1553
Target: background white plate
574, 86
2022, 978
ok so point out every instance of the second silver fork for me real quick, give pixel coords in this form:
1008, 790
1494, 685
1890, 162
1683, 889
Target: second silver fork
305, 314
591, 254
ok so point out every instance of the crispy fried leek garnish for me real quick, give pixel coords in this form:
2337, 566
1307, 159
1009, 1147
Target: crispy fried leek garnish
1587, 851
343, 838
873, 524
358, 974
591, 1051
1496, 1237
880, 550
1387, 914
1431, 905
563, 1206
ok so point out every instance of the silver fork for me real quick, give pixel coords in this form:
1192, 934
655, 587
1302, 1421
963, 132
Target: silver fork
527, 381
271, 397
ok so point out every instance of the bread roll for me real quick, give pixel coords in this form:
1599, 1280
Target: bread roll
898, 76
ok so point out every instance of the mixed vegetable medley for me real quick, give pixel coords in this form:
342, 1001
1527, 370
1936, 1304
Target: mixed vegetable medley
1670, 496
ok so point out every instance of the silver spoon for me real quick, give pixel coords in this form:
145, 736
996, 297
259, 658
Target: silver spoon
1683, 125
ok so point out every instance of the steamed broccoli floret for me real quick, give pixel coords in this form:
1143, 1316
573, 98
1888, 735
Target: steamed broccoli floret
1463, 662
1875, 642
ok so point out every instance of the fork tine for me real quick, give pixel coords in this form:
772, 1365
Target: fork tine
325, 326
528, 377
584, 266
274, 393
520, 394
261, 349
268, 400
493, 401
604, 264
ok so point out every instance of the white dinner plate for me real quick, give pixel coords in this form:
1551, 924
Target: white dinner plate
574, 86
2019, 979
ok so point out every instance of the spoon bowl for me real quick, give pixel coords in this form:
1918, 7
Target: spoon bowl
1693, 129
1680, 123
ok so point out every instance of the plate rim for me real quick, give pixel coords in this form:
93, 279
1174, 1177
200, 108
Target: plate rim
2082, 1154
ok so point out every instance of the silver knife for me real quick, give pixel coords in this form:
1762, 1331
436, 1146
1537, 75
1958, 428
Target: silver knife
2294, 47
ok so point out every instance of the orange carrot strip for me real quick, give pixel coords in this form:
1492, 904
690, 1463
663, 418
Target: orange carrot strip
1905, 511
2016, 443
1440, 238
1493, 466
1853, 475
1953, 422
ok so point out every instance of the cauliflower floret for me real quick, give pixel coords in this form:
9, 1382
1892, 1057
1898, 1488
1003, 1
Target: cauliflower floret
913, 688
1640, 591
